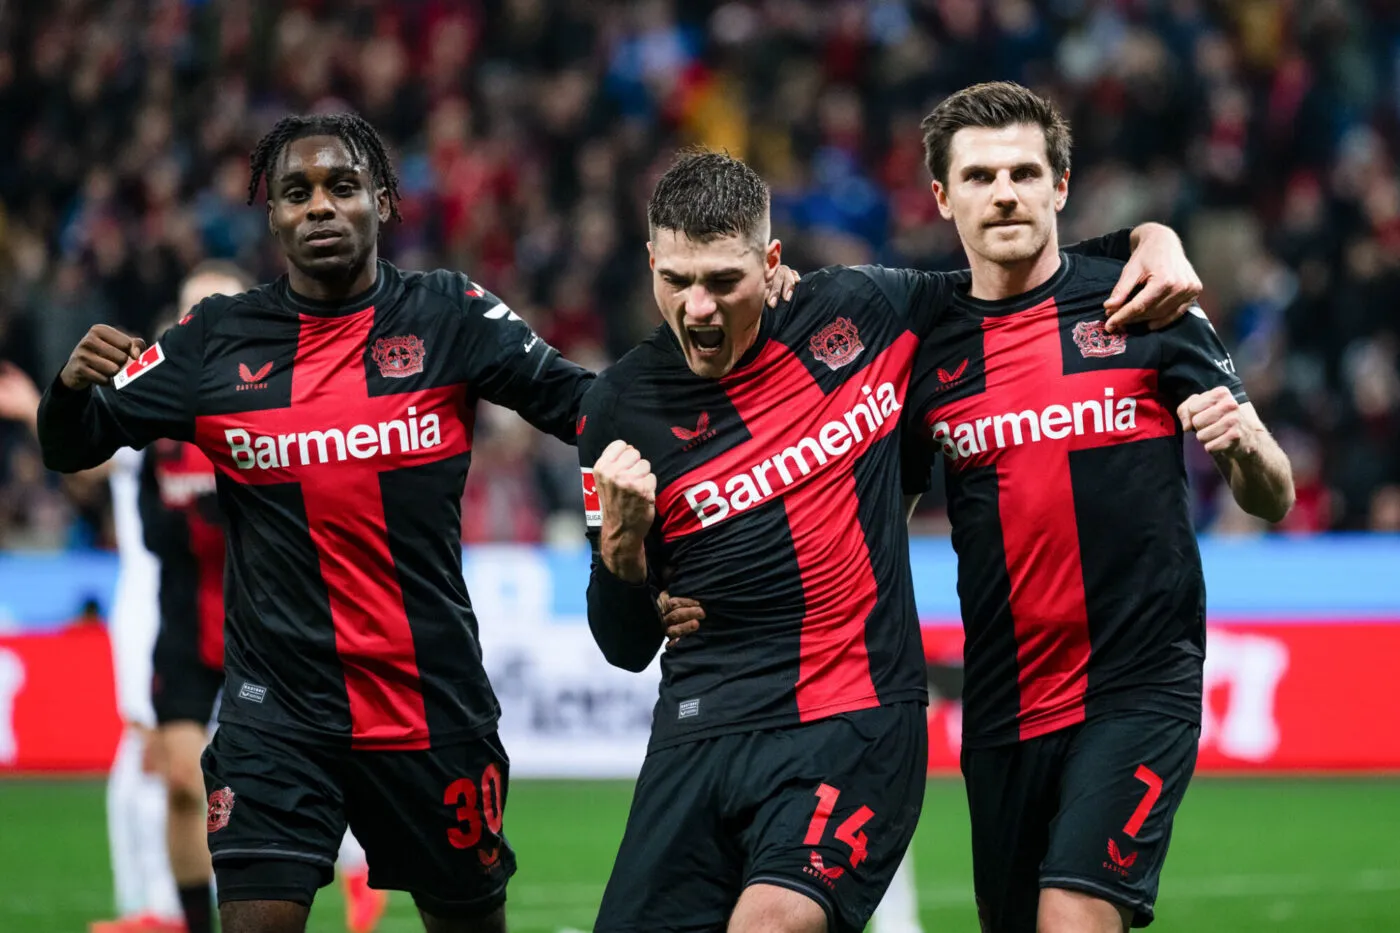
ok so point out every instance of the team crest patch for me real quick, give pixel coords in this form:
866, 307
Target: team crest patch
1092, 340
399, 356
837, 343
220, 808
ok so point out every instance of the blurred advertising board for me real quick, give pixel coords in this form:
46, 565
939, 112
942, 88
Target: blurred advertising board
1303, 642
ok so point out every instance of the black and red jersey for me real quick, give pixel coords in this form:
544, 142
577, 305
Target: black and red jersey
181, 525
778, 507
1078, 570
342, 434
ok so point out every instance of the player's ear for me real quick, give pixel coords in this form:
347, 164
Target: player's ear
1062, 191
381, 200
271, 227
940, 194
651, 256
772, 259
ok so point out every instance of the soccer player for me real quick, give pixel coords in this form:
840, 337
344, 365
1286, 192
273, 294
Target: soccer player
144, 888
182, 528
1080, 579
751, 460
336, 404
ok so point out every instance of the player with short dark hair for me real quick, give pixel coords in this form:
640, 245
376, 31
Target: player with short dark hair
181, 527
750, 459
1081, 585
336, 404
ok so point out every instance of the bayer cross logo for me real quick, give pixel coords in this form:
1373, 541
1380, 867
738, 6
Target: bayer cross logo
399, 356
837, 343
1093, 339
220, 809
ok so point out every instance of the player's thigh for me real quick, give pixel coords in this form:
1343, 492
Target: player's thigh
432, 823
1011, 797
678, 867
837, 802
276, 815
1124, 777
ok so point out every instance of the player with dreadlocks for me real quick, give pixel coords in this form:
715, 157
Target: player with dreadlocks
336, 405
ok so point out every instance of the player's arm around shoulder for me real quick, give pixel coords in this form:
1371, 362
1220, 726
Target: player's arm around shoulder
619, 491
1199, 371
508, 364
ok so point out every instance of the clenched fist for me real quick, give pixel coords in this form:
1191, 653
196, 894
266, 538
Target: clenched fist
99, 356
1219, 425
627, 494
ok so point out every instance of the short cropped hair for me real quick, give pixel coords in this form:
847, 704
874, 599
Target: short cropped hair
707, 195
993, 106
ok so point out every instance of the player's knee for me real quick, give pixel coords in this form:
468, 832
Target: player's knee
768, 908
1066, 911
184, 784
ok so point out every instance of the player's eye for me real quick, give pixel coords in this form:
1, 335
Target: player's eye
345, 189
1025, 173
980, 178
721, 286
294, 194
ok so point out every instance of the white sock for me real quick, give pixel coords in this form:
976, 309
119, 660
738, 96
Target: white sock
352, 854
136, 834
899, 911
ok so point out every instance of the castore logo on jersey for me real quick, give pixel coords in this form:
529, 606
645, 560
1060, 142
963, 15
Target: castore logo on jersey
946, 380
702, 433
253, 379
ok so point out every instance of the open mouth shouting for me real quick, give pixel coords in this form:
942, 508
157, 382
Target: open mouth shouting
706, 338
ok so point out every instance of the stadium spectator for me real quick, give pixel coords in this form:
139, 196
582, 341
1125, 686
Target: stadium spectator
530, 131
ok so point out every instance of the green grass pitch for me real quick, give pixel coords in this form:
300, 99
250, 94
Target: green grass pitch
1290, 856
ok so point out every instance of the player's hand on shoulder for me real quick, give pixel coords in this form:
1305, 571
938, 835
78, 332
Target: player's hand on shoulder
626, 489
99, 356
781, 285
1220, 426
1169, 282
680, 616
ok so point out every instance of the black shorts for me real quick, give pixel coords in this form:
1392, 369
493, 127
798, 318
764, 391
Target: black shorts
1088, 808
429, 821
826, 809
183, 687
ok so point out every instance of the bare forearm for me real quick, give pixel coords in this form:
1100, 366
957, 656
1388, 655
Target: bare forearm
1262, 480
624, 555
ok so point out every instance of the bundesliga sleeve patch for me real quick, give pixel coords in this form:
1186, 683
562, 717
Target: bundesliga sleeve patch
592, 505
138, 367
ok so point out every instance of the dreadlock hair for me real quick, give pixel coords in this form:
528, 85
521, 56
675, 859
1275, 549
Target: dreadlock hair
359, 137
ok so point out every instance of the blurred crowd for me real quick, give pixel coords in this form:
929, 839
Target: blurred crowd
527, 134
